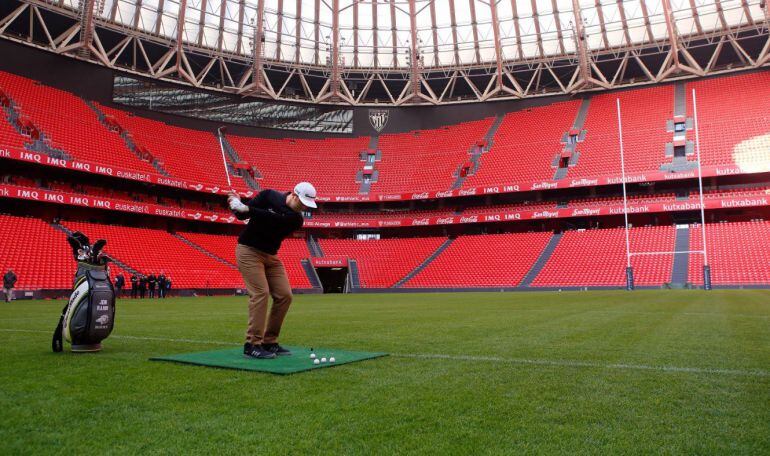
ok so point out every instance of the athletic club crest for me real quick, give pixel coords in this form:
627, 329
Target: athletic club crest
378, 118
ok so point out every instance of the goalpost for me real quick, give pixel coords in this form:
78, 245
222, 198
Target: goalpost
629, 253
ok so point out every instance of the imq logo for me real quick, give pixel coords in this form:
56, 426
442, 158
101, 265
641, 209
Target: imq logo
378, 118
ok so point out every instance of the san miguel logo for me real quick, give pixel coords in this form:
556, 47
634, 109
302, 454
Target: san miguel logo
378, 118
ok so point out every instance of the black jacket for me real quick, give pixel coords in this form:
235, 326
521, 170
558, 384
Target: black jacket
120, 281
270, 221
134, 281
9, 280
151, 280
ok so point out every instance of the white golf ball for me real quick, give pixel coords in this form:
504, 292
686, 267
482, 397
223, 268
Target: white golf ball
315, 361
331, 360
323, 360
312, 356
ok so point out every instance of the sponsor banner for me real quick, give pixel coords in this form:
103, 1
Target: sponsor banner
93, 168
541, 214
708, 171
330, 262
110, 204
97, 202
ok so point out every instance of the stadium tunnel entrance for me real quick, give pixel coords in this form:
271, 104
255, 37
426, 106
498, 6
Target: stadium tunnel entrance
333, 279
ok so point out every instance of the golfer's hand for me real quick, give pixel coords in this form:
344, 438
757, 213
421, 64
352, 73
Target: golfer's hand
235, 204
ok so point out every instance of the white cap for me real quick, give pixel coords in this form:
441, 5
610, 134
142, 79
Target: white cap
306, 193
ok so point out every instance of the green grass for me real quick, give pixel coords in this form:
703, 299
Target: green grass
472, 373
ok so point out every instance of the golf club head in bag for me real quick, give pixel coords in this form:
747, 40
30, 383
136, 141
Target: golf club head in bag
89, 315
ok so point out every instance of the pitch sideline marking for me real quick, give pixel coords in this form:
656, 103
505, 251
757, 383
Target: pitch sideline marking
493, 359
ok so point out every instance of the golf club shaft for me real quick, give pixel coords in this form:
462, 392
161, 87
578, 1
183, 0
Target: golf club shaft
224, 161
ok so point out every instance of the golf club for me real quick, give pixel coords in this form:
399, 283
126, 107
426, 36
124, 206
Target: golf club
220, 132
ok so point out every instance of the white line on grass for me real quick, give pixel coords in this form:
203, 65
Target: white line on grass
571, 363
491, 359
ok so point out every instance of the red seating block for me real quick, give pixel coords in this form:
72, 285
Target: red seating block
495, 260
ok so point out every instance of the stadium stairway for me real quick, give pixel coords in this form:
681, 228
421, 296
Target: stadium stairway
541, 260
204, 251
476, 152
572, 147
314, 247
355, 276
424, 264
679, 273
311, 273
42, 145
235, 158
123, 265
124, 134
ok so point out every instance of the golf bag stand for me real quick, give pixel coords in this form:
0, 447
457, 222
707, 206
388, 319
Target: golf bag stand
89, 315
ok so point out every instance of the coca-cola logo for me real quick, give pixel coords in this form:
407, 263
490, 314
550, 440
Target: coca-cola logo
469, 219
445, 194
423, 195
445, 220
467, 192
422, 221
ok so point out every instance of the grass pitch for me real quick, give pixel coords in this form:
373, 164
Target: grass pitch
470, 373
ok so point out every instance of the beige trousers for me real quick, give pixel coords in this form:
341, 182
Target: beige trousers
265, 276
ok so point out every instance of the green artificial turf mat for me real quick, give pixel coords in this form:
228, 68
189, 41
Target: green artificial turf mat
299, 361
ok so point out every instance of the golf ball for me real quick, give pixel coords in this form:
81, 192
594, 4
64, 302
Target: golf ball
331, 360
323, 360
312, 356
315, 361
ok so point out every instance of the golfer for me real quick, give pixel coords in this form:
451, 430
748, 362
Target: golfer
273, 216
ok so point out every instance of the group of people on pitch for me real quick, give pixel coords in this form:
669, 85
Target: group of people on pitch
158, 286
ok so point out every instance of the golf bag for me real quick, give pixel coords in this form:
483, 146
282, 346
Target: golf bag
89, 315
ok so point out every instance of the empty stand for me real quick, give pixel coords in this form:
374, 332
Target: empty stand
384, 262
154, 251
598, 258
330, 164
426, 159
495, 260
734, 119
192, 155
739, 253
292, 251
644, 115
39, 255
525, 144
69, 123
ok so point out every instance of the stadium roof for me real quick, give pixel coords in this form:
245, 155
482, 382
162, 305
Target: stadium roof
378, 32
517, 45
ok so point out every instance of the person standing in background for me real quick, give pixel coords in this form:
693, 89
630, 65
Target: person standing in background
134, 286
168, 285
142, 286
120, 282
9, 281
152, 282
161, 285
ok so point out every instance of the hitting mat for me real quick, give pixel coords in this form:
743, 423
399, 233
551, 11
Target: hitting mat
299, 361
